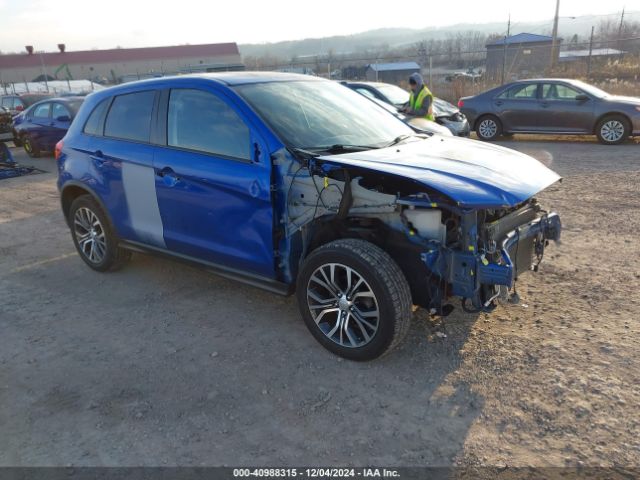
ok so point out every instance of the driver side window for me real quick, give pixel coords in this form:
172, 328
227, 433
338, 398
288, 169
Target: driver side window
58, 110
555, 91
201, 121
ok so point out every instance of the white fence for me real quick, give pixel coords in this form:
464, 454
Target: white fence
52, 86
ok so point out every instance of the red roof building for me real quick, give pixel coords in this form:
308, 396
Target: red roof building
116, 64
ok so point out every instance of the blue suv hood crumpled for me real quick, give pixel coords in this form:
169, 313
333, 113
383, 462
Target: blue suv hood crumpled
473, 174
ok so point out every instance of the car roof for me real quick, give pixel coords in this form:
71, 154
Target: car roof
539, 80
371, 84
228, 78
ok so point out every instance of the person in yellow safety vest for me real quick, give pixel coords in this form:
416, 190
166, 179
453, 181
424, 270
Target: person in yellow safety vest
420, 100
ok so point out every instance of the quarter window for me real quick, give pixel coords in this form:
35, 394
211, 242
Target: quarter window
201, 121
42, 110
94, 122
129, 117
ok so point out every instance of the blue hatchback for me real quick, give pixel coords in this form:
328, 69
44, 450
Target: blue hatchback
293, 183
43, 124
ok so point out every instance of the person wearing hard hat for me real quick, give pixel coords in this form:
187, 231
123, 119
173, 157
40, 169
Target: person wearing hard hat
421, 99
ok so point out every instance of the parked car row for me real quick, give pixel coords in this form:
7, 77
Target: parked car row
36, 121
445, 113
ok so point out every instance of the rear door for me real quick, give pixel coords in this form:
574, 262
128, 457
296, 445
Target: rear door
517, 107
123, 160
213, 179
565, 110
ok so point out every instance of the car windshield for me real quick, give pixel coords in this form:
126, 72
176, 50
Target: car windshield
320, 114
595, 91
397, 95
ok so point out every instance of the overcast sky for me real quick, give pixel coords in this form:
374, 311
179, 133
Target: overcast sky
86, 24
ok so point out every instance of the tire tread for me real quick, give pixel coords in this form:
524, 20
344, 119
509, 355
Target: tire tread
391, 276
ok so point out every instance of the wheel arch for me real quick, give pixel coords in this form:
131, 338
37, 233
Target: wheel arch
482, 116
609, 114
406, 254
72, 190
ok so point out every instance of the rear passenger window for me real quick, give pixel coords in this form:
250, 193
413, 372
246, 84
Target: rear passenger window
94, 122
201, 121
129, 117
525, 92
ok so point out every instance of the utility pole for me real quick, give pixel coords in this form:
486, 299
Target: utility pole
554, 35
504, 50
621, 24
620, 30
590, 52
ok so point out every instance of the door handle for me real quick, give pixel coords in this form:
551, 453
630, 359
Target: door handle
544, 105
168, 176
498, 103
98, 156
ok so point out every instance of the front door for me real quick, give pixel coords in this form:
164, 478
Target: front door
60, 123
213, 182
566, 109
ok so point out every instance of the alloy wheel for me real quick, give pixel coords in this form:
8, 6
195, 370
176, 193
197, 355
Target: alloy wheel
488, 128
612, 131
90, 235
343, 305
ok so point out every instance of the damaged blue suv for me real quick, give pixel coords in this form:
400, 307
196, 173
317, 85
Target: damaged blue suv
297, 184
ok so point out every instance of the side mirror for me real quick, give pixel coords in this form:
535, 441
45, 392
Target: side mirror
63, 118
582, 97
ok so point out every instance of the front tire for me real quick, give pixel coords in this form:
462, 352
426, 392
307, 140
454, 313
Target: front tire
31, 147
354, 299
488, 128
613, 130
93, 236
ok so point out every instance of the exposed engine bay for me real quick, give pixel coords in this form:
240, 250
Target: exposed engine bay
443, 249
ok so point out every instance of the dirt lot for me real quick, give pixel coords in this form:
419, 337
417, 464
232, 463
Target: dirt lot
162, 364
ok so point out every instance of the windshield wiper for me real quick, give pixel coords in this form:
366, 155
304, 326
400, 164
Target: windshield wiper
341, 148
398, 140
304, 152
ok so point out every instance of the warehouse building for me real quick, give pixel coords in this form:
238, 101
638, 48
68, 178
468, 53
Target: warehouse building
391, 72
524, 54
119, 64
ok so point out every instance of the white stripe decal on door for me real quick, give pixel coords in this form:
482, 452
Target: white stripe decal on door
140, 191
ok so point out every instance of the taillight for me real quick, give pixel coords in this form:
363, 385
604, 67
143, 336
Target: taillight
58, 150
460, 103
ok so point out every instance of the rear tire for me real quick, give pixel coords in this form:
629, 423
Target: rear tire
613, 130
94, 237
31, 147
354, 299
488, 128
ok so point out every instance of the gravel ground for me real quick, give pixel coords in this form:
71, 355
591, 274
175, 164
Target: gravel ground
163, 364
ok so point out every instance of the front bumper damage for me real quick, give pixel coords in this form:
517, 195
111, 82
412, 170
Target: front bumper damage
473, 277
